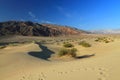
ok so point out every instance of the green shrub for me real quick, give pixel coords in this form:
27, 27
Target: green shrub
107, 41
13, 44
71, 52
68, 45
63, 52
84, 44
43, 41
65, 42
104, 39
1, 47
96, 40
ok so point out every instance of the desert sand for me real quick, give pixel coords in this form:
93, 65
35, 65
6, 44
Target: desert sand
18, 63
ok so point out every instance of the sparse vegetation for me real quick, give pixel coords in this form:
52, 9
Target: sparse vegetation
104, 39
84, 44
13, 44
65, 42
1, 47
18, 43
71, 52
43, 41
68, 45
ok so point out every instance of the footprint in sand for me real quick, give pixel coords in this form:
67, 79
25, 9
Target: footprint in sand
23, 78
101, 79
53, 70
102, 74
60, 72
41, 79
85, 69
43, 75
93, 68
65, 72
40, 76
71, 71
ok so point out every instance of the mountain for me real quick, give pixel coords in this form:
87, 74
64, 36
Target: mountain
109, 31
29, 28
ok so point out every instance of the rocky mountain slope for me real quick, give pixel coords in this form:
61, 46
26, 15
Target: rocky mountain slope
34, 29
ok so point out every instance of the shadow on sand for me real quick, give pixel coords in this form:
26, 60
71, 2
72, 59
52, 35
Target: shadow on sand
44, 54
84, 56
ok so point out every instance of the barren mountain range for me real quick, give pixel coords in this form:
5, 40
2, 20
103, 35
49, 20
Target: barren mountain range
28, 28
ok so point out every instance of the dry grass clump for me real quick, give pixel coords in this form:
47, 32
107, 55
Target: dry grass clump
68, 45
69, 52
19, 43
104, 39
1, 47
13, 44
43, 41
84, 44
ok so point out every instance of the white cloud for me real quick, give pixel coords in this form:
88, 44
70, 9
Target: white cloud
22, 20
33, 16
107, 31
62, 11
44, 21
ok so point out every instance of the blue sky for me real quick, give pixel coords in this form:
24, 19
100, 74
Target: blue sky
83, 14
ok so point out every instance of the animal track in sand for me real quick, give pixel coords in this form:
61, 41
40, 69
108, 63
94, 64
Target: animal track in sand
40, 76
60, 72
102, 74
43, 75
101, 79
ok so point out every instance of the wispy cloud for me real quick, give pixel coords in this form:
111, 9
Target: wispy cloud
44, 21
22, 19
107, 31
63, 11
33, 16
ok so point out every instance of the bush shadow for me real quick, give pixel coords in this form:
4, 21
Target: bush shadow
84, 56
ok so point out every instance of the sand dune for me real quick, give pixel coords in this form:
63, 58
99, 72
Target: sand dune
23, 63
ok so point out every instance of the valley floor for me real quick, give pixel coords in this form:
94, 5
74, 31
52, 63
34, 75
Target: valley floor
17, 64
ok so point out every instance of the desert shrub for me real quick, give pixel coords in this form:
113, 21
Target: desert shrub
71, 52
33, 41
65, 42
63, 52
96, 40
19, 43
43, 41
1, 47
13, 44
58, 43
68, 45
61, 40
84, 44
100, 39
104, 39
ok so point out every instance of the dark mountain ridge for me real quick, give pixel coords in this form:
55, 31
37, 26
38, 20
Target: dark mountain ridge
28, 28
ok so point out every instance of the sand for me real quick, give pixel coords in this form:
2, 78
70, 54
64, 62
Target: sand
17, 64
